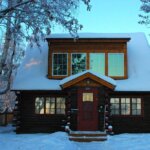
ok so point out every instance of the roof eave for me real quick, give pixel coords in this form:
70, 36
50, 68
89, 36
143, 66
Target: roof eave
84, 76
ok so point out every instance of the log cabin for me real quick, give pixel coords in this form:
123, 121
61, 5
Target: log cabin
91, 83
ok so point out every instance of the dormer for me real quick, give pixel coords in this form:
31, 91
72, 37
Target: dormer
106, 56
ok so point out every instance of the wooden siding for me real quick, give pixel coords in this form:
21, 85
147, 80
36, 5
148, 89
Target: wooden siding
83, 80
133, 124
27, 121
101, 105
87, 46
31, 122
74, 109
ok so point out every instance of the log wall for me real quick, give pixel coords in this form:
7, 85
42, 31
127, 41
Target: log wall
26, 119
133, 124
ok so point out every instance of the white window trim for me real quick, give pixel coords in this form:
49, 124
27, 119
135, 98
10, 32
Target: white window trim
53, 64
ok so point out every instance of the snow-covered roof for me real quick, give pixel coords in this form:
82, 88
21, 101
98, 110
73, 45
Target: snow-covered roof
91, 35
72, 77
32, 73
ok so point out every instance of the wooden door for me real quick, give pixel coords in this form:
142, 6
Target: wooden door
87, 110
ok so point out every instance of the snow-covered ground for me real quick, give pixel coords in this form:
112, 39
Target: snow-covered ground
59, 141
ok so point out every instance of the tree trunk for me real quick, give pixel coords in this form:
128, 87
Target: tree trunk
6, 43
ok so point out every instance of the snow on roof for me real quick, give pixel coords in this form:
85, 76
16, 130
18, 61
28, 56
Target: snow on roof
32, 73
108, 79
138, 65
91, 35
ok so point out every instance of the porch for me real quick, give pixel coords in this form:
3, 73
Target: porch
87, 136
87, 106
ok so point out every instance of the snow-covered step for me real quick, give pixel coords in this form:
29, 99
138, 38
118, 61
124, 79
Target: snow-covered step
87, 136
87, 139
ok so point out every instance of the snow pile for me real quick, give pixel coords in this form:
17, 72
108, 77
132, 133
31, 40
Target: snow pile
59, 141
32, 74
56, 141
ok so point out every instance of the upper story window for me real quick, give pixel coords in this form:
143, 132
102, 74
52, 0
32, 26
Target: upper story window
97, 62
105, 56
109, 64
78, 62
60, 62
115, 64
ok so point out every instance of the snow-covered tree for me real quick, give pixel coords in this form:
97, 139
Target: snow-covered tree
145, 16
31, 20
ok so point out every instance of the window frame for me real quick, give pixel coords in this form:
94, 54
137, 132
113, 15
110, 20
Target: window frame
55, 109
136, 107
53, 65
35, 101
104, 53
124, 65
85, 61
87, 97
129, 115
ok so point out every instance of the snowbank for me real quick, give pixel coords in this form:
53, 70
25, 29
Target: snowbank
59, 141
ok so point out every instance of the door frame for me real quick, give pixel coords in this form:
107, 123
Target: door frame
94, 123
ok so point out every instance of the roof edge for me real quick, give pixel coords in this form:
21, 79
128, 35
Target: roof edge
84, 75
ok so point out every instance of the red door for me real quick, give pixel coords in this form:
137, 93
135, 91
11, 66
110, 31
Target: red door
87, 110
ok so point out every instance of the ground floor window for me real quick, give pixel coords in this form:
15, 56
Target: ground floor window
126, 106
50, 105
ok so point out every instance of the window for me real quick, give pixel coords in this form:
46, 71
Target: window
107, 63
97, 62
50, 105
88, 97
60, 102
60, 64
126, 106
115, 106
136, 106
39, 105
78, 62
116, 64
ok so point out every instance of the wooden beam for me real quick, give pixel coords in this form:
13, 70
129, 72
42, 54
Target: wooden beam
87, 75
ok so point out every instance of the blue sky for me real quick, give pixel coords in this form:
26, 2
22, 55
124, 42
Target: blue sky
110, 16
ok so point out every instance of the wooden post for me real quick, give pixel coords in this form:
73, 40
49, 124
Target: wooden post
5, 115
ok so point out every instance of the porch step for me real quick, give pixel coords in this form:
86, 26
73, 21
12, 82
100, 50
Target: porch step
87, 136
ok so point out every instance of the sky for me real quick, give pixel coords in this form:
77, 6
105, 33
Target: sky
110, 16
